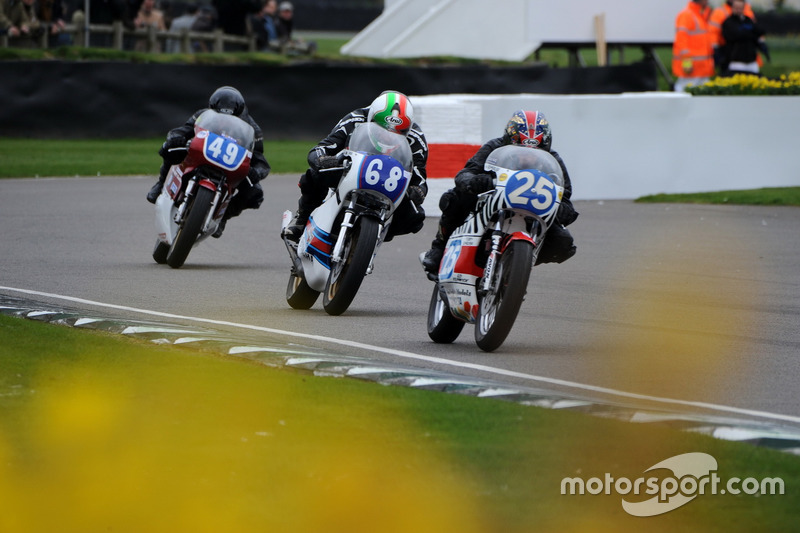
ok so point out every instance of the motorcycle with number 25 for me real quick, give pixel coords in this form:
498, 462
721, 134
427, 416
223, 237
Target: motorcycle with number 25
484, 273
341, 239
197, 191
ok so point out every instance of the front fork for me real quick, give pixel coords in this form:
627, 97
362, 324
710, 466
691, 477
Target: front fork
491, 261
348, 221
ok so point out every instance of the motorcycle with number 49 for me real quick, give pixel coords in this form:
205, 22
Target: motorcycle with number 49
341, 239
483, 276
197, 191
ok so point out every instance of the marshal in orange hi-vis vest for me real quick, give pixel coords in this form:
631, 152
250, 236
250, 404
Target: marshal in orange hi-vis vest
692, 52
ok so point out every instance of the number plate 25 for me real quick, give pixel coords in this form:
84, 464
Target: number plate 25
534, 191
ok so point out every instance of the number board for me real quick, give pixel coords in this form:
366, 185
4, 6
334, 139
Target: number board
223, 152
384, 174
532, 190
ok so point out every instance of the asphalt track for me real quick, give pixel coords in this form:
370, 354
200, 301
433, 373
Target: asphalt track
684, 307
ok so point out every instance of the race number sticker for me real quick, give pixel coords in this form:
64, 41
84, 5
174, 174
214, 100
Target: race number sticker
532, 190
223, 152
383, 174
448, 266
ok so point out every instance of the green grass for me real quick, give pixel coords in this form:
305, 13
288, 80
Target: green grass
765, 196
110, 433
113, 157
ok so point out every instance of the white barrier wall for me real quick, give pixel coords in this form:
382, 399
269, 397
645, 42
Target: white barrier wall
630, 145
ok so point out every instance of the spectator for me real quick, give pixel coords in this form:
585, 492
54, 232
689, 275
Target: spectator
742, 35
185, 22
22, 15
692, 53
206, 22
52, 13
718, 16
149, 16
285, 26
6, 27
264, 27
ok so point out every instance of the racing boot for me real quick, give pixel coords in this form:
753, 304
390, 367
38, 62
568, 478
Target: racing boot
155, 190
296, 227
432, 258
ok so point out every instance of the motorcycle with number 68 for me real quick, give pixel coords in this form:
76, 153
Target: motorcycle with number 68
483, 276
197, 191
341, 239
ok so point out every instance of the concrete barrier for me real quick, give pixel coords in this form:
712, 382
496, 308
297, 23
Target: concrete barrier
629, 145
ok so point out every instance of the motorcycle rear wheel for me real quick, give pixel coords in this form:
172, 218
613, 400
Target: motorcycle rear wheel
190, 228
346, 277
298, 294
160, 252
499, 307
443, 327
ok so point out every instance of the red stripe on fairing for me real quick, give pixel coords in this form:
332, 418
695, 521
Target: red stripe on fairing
445, 160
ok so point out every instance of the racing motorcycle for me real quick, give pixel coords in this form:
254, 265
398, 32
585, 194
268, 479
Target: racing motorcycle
197, 191
487, 262
341, 239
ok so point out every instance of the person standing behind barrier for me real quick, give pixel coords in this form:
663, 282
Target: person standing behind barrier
718, 16
149, 16
179, 24
742, 35
285, 26
22, 15
264, 27
692, 53
232, 17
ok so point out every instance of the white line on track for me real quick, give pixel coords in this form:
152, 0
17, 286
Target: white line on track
426, 358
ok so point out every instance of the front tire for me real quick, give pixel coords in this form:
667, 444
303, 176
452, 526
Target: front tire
499, 307
191, 227
443, 327
298, 294
346, 277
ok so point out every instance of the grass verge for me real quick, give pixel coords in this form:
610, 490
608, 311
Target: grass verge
764, 196
117, 157
99, 432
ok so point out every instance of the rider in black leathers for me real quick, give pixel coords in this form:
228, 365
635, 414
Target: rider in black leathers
230, 101
527, 128
393, 111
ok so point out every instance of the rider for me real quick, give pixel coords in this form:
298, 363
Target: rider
227, 100
526, 128
393, 111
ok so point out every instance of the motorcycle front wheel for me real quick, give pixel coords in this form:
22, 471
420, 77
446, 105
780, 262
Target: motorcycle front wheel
190, 228
346, 276
499, 307
443, 327
298, 294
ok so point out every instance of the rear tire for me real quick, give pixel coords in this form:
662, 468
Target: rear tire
299, 294
499, 307
443, 327
346, 277
160, 252
191, 227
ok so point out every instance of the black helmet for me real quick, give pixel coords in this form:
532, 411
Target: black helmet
227, 100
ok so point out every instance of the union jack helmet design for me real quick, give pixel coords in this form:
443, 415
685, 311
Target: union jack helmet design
529, 128
393, 111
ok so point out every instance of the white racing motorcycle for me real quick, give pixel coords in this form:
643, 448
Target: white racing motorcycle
342, 236
197, 191
484, 272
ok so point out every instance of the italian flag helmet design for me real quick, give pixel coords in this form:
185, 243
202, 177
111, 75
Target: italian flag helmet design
392, 110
